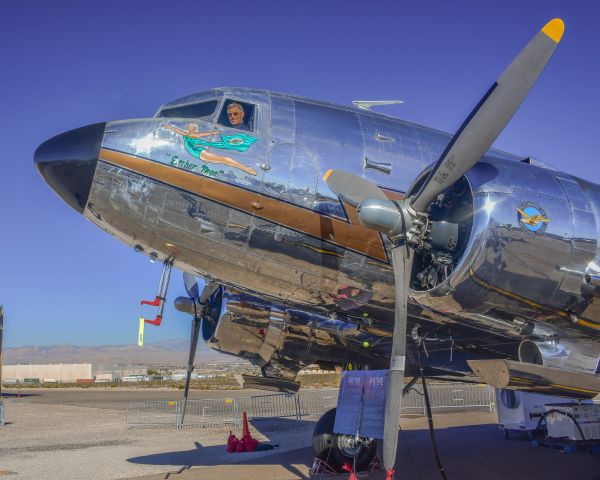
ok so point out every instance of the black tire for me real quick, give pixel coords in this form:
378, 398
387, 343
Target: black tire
328, 446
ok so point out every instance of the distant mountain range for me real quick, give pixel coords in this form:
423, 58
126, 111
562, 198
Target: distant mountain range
167, 352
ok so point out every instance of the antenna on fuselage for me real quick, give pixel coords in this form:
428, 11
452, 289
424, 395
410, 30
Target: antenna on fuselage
369, 104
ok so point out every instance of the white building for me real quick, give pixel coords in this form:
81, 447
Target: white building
68, 372
61, 372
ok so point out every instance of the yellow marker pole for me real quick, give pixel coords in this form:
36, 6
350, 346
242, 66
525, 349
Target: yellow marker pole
141, 333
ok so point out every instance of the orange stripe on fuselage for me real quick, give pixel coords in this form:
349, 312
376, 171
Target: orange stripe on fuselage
352, 236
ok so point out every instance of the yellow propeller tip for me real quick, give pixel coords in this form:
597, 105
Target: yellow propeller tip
327, 173
554, 29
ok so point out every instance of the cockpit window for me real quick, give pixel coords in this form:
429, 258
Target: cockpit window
193, 110
239, 115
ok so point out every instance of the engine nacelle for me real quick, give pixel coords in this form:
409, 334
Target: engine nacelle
562, 354
284, 340
525, 237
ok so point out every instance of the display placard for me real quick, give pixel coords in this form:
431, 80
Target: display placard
361, 403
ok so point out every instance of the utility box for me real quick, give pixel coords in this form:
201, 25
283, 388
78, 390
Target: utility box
562, 420
521, 410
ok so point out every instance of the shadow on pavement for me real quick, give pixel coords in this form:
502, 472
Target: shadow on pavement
216, 455
17, 395
482, 452
201, 457
468, 452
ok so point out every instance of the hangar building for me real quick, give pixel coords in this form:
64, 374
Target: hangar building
65, 372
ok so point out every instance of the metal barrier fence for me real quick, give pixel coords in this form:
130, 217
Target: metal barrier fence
198, 413
317, 401
152, 413
267, 406
228, 411
451, 395
211, 412
2, 420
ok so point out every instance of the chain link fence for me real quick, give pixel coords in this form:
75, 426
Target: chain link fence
228, 411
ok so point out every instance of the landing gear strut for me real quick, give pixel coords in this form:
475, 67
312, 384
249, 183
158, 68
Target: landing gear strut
337, 450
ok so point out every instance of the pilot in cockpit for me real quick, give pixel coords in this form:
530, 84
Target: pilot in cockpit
235, 115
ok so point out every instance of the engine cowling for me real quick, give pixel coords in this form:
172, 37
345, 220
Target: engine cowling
560, 353
521, 241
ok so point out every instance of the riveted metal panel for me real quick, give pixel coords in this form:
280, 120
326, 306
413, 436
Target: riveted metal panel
584, 236
584, 223
283, 123
576, 196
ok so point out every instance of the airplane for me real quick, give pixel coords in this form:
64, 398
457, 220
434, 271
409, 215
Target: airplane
335, 235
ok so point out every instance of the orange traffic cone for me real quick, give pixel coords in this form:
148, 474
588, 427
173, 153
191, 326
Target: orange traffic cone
246, 428
249, 443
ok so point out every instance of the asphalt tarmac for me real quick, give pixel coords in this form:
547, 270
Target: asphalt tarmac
80, 434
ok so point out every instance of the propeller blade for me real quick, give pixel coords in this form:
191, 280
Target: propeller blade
490, 116
190, 365
209, 289
352, 188
202, 300
402, 262
191, 286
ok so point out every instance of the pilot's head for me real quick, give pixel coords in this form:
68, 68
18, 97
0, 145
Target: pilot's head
235, 114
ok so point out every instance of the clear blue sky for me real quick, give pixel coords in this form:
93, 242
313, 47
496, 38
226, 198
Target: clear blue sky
68, 64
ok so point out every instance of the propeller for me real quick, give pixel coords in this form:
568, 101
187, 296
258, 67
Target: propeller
200, 305
191, 286
405, 221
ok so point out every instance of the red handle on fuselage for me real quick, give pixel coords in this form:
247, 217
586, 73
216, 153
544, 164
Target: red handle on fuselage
156, 321
154, 303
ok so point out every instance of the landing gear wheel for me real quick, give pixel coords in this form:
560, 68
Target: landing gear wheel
336, 450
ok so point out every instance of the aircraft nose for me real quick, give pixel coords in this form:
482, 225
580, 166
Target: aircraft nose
68, 162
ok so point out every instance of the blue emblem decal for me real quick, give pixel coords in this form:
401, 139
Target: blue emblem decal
532, 218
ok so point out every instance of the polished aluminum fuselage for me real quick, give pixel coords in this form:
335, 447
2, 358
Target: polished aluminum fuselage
283, 236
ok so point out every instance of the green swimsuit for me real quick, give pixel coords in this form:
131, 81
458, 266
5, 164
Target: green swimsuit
240, 142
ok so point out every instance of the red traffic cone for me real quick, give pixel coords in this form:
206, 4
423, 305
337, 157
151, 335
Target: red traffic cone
250, 443
246, 428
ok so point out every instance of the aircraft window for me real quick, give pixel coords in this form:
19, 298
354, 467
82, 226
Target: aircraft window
238, 115
194, 110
